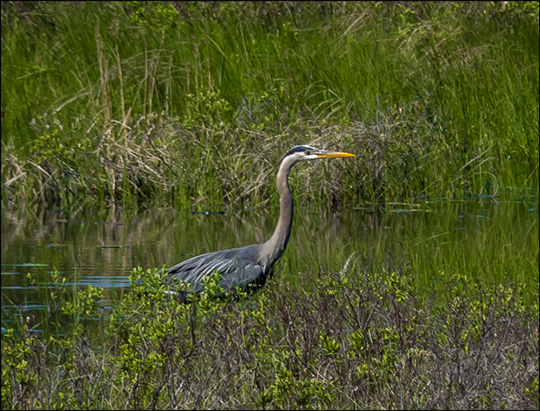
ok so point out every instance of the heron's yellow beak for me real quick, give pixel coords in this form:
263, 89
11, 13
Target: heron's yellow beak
334, 154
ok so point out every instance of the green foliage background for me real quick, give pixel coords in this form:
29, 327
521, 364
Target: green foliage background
194, 103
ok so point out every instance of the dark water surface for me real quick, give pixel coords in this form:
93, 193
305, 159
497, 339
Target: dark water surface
484, 237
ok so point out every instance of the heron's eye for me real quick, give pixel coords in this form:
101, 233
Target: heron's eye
308, 152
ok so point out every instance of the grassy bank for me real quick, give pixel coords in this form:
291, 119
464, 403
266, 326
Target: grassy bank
193, 104
358, 339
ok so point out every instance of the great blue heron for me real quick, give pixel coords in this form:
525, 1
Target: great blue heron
250, 266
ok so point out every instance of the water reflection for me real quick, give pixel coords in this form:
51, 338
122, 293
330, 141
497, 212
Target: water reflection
100, 247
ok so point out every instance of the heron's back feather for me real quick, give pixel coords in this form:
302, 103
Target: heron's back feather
238, 267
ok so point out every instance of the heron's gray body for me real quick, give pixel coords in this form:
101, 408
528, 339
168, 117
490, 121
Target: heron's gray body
250, 265
237, 266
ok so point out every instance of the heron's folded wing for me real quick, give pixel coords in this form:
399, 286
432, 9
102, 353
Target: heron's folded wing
238, 267
241, 276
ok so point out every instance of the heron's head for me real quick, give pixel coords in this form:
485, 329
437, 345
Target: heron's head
304, 153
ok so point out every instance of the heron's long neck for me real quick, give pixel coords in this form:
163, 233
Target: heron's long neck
275, 246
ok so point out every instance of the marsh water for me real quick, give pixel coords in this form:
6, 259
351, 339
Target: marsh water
488, 238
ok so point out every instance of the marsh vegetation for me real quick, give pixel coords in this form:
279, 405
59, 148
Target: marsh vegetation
193, 104
411, 278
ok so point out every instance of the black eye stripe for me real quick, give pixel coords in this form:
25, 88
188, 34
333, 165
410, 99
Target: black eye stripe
308, 150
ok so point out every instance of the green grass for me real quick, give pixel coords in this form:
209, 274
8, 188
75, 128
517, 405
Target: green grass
194, 106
